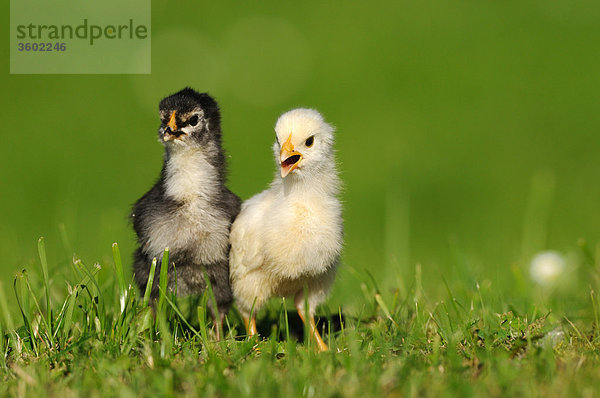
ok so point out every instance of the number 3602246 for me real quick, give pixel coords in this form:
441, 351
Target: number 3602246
42, 46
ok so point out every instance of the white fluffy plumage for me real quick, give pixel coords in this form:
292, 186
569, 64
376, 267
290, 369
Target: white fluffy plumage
290, 236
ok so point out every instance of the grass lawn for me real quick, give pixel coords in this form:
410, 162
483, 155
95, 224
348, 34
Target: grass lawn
101, 339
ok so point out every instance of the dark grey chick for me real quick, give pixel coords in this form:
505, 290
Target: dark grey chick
189, 210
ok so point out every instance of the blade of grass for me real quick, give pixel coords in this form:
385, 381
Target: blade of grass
174, 284
75, 268
172, 304
287, 323
166, 339
595, 309
69, 306
4, 323
452, 300
229, 327
60, 318
120, 276
252, 313
202, 325
307, 339
373, 281
37, 305
385, 310
91, 276
329, 335
127, 331
162, 282
44, 263
448, 317
215, 312
2, 347
23, 304
149, 283
342, 330
579, 334
68, 318
69, 348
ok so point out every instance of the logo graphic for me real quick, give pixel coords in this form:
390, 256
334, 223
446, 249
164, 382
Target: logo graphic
81, 36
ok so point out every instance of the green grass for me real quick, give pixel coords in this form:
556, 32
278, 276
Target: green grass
101, 339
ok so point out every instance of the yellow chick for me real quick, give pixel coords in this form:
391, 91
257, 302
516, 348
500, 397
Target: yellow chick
290, 236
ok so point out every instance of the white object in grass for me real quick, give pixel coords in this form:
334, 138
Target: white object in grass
546, 268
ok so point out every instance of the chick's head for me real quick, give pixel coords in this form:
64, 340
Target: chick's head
304, 142
188, 118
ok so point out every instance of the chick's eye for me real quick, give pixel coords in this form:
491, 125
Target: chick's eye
310, 141
193, 120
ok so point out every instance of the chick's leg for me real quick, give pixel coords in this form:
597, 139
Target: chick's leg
218, 316
250, 324
249, 295
314, 332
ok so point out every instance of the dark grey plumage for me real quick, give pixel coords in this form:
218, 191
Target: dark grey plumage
189, 209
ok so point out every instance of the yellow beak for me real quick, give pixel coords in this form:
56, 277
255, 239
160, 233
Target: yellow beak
172, 125
170, 129
289, 157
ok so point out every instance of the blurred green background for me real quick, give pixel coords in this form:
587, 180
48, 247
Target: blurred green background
467, 132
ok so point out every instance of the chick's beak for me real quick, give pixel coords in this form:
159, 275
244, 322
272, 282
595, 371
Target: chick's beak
289, 157
171, 127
